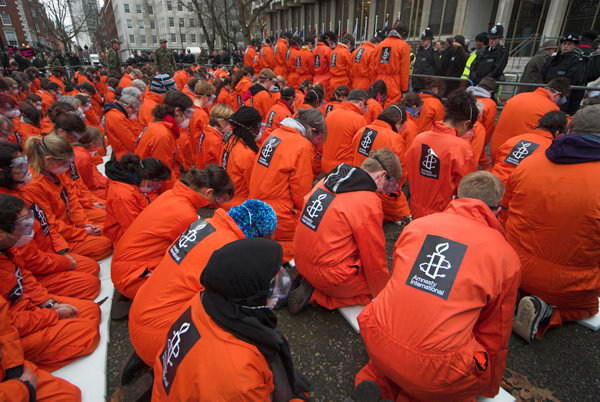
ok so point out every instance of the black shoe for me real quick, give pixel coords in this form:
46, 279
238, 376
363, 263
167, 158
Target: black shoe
366, 391
119, 310
300, 297
532, 312
140, 390
133, 367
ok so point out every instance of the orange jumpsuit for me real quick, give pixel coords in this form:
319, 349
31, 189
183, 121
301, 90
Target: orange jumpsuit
276, 114
267, 58
374, 111
224, 98
63, 207
160, 141
293, 63
436, 162
439, 330
48, 342
321, 60
341, 237
280, 51
261, 100
238, 160
144, 243
431, 111
340, 66
28, 130
125, 81
59, 82
151, 99
363, 66
210, 147
409, 132
281, 177
239, 93
12, 364
250, 56
342, 124
198, 122
377, 135
304, 65
181, 78
521, 114
549, 203
124, 202
120, 131
207, 349
488, 116
175, 281
477, 141
74, 183
91, 177
392, 65
516, 149
47, 100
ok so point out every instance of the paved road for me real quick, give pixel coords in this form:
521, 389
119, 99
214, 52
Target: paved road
329, 352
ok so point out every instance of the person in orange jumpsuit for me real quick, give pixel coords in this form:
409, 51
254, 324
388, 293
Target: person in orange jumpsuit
453, 285
340, 65
47, 255
342, 124
561, 276
144, 243
267, 58
126, 79
181, 77
293, 62
392, 62
281, 109
377, 95
280, 51
240, 151
438, 159
49, 93
516, 149
212, 139
305, 65
21, 380
160, 85
261, 98
131, 182
483, 93
53, 331
218, 323
250, 56
363, 65
385, 133
322, 59
412, 103
51, 188
339, 242
204, 98
56, 77
522, 112
119, 127
159, 140
175, 281
339, 95
241, 83
282, 174
29, 124
432, 109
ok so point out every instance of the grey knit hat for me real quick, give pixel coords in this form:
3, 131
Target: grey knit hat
586, 121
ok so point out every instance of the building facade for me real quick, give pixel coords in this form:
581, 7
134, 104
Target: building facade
526, 22
141, 24
24, 22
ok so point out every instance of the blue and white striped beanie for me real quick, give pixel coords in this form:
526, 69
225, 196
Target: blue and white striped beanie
162, 83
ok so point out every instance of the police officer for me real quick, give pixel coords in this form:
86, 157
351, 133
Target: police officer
114, 59
569, 62
426, 61
164, 60
492, 61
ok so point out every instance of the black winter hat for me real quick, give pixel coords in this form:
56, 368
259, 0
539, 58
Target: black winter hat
570, 38
427, 34
246, 117
497, 31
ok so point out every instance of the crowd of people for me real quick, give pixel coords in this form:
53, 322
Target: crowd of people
298, 156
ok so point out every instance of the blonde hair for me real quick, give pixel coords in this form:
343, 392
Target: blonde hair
483, 186
219, 113
203, 88
266, 74
383, 159
37, 148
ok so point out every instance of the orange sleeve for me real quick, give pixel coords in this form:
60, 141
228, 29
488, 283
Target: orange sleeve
302, 177
163, 151
38, 261
14, 390
478, 140
121, 130
77, 214
405, 67
463, 163
85, 169
128, 210
12, 354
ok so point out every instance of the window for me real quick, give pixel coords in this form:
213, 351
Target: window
143, 39
126, 6
141, 24
183, 38
173, 38
138, 8
154, 39
6, 21
179, 6
192, 23
190, 7
181, 23
11, 37
441, 18
150, 10
170, 5
193, 38
152, 25
131, 39
2, 3
171, 21
129, 24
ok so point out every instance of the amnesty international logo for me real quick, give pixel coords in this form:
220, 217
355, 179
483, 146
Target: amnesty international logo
386, 52
429, 163
267, 151
520, 151
195, 233
366, 141
436, 266
315, 208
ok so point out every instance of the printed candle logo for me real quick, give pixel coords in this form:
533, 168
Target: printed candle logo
298, 62
268, 150
17, 290
196, 232
385, 55
359, 54
430, 162
520, 151
436, 266
317, 61
315, 208
40, 216
333, 60
366, 142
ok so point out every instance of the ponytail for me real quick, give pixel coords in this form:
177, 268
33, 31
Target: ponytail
37, 148
212, 176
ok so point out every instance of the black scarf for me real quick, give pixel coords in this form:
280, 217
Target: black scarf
237, 275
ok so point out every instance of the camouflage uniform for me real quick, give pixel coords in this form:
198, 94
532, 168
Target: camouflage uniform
164, 61
114, 64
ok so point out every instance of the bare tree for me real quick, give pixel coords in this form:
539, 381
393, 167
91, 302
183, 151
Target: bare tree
65, 27
249, 13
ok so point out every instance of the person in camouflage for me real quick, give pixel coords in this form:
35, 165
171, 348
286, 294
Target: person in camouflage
164, 60
114, 60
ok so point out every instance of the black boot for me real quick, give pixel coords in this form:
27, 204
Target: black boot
132, 368
119, 309
366, 391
